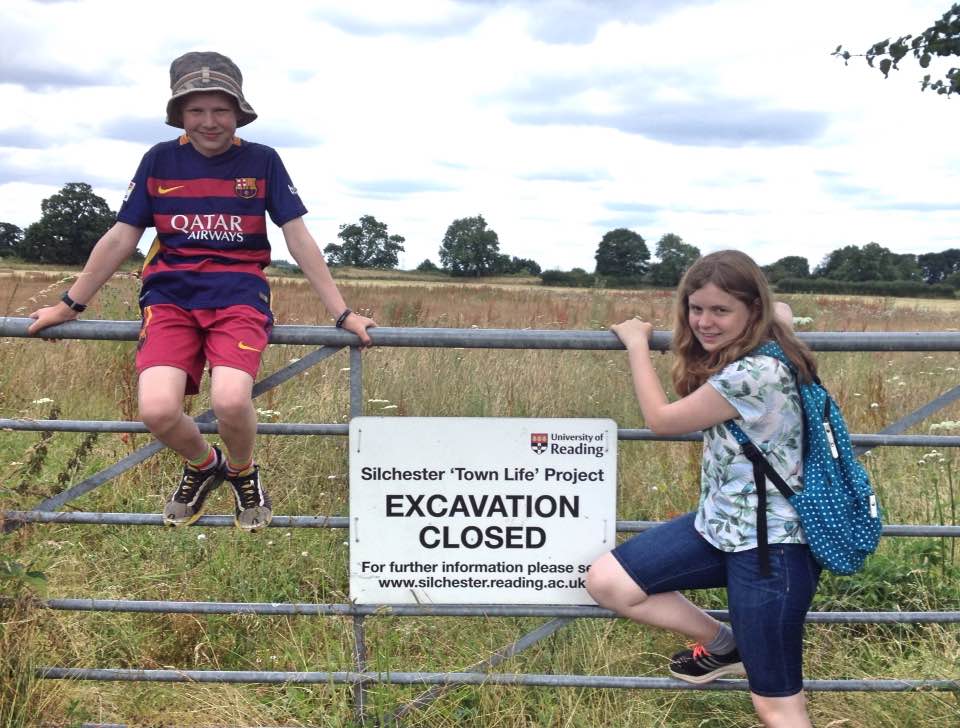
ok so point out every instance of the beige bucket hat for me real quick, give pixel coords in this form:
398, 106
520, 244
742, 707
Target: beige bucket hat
206, 71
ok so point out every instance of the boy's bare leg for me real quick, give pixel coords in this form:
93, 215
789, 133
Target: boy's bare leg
232, 392
160, 392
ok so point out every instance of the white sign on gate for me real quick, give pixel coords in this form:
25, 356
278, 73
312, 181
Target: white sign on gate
463, 510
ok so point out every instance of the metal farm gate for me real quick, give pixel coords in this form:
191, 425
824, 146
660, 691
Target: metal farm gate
330, 341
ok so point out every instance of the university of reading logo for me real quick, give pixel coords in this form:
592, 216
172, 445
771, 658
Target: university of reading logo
583, 443
538, 442
245, 187
129, 191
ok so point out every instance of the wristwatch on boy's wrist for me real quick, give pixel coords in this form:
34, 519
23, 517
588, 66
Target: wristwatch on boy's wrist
73, 305
343, 317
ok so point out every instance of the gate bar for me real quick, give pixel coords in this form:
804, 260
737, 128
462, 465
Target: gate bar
332, 428
497, 338
468, 678
446, 610
154, 519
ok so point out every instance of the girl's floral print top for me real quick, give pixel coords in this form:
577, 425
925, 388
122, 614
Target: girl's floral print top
764, 392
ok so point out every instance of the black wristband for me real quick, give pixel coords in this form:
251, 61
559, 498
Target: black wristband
343, 317
73, 305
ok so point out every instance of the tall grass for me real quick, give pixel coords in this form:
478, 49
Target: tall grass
79, 380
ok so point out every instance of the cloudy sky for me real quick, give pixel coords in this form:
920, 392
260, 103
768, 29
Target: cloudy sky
725, 122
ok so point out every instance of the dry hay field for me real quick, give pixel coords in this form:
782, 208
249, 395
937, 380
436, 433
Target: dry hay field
95, 380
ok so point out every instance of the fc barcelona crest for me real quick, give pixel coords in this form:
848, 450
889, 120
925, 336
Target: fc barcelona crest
245, 187
538, 442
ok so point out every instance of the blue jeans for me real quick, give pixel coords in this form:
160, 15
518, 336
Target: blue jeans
766, 613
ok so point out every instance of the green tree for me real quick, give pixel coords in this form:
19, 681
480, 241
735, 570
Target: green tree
792, 266
427, 266
953, 280
675, 256
365, 245
524, 265
73, 220
942, 39
872, 262
937, 267
11, 238
622, 252
470, 248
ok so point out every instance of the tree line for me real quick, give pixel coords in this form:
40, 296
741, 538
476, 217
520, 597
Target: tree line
623, 261
469, 248
74, 218
873, 262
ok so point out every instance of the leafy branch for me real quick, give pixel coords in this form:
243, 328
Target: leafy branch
942, 39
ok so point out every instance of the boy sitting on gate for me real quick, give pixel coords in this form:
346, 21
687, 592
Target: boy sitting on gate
205, 297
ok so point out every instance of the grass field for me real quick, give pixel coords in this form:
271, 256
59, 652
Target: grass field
95, 380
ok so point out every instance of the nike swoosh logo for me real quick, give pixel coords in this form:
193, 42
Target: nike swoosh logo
164, 190
241, 345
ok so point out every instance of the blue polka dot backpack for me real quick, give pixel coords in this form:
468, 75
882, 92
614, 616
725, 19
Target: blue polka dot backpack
837, 506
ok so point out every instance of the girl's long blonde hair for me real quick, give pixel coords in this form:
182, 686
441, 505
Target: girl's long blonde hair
734, 273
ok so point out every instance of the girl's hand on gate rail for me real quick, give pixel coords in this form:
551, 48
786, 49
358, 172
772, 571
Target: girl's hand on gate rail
633, 332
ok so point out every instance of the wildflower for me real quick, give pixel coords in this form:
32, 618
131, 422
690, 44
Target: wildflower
294, 360
389, 406
945, 425
201, 537
303, 553
874, 405
344, 369
269, 543
377, 401
43, 400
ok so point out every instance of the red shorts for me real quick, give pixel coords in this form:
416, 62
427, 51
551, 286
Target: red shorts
170, 336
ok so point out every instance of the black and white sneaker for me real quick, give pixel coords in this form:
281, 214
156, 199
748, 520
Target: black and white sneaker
189, 500
252, 511
698, 666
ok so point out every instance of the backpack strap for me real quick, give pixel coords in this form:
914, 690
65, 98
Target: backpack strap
762, 469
